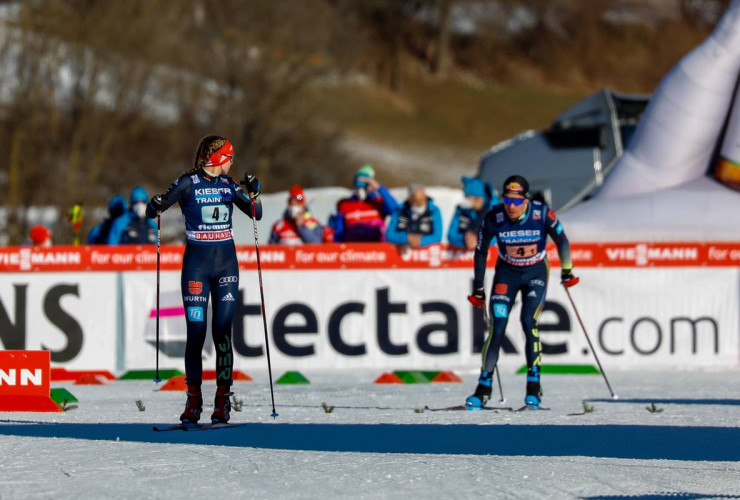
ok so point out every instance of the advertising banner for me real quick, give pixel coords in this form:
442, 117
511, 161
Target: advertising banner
72, 315
361, 256
395, 319
645, 305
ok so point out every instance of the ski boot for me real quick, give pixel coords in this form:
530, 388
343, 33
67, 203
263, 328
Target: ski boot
222, 405
482, 392
534, 390
193, 406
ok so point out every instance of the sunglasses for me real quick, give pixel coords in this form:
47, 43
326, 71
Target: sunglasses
515, 201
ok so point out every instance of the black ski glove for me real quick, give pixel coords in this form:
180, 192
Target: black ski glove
252, 184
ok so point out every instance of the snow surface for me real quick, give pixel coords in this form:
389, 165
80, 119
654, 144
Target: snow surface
106, 448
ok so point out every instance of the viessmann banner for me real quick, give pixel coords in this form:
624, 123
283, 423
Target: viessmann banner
352, 306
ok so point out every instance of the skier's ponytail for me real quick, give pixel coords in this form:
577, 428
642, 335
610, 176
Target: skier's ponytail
207, 146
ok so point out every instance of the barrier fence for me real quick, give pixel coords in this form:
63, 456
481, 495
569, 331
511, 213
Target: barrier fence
646, 305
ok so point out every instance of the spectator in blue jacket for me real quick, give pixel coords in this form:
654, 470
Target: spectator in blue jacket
479, 199
134, 227
98, 235
417, 223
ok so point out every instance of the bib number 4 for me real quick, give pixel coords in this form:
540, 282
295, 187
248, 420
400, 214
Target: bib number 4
214, 214
521, 251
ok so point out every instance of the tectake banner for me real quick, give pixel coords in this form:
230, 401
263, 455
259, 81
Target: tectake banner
399, 318
72, 315
645, 305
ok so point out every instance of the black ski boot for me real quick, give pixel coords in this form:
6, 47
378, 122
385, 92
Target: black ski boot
482, 392
193, 406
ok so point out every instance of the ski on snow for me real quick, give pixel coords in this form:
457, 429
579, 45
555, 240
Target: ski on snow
532, 408
194, 427
483, 408
465, 408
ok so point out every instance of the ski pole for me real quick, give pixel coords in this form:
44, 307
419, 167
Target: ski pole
495, 368
159, 228
603, 374
264, 316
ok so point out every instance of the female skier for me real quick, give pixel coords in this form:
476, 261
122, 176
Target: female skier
206, 195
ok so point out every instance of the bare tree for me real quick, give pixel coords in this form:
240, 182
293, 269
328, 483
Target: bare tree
108, 95
441, 61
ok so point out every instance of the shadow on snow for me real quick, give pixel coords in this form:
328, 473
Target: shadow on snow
661, 496
607, 441
722, 402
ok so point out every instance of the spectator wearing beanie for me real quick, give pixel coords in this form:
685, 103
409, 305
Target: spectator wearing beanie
297, 226
361, 217
98, 235
40, 236
479, 199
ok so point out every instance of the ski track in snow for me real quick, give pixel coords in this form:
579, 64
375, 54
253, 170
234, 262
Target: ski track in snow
689, 450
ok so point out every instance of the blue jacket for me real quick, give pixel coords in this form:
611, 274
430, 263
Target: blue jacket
130, 228
99, 234
466, 219
403, 223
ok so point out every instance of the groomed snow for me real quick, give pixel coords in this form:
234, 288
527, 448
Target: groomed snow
106, 448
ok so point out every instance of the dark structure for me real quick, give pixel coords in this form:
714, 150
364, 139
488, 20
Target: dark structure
566, 162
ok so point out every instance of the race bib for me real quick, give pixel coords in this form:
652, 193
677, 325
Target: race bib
213, 214
521, 251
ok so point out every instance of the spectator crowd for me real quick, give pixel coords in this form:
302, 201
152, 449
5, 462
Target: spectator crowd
361, 217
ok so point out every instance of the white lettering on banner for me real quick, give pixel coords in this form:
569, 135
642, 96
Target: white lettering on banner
723, 254
151, 258
56, 258
99, 258
10, 259
581, 255
642, 255
27, 377
366, 257
431, 254
272, 256
26, 258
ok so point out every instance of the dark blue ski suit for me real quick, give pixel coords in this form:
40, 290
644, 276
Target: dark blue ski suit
522, 266
209, 265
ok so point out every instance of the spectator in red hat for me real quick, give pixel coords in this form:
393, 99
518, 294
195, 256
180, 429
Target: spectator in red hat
297, 226
40, 236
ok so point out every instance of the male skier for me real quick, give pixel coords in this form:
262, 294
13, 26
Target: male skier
521, 227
